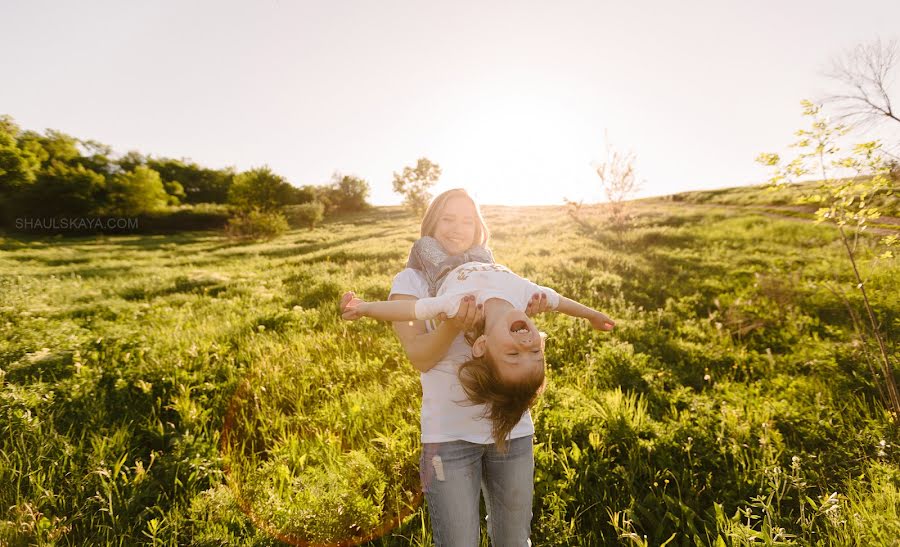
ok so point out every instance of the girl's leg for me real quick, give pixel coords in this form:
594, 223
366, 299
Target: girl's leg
451, 477
508, 484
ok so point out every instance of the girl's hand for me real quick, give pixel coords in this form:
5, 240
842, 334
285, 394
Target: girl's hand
467, 316
537, 304
601, 321
352, 308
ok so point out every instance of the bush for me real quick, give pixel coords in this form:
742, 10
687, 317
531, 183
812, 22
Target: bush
135, 192
306, 214
345, 194
200, 216
259, 188
256, 225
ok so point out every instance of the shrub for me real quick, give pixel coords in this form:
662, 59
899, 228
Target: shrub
306, 214
256, 225
259, 188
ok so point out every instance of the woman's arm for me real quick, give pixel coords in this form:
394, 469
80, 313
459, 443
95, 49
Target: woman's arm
425, 349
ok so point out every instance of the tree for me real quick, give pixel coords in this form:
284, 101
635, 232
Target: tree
259, 188
617, 180
347, 193
864, 73
135, 192
18, 167
200, 184
53, 146
132, 159
307, 214
414, 183
846, 202
62, 189
97, 157
304, 194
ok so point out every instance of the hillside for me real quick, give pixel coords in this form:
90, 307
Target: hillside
185, 389
786, 201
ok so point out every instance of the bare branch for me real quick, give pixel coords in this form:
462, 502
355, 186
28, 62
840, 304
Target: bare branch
617, 179
866, 72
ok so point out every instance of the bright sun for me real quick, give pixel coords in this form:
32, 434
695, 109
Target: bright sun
518, 146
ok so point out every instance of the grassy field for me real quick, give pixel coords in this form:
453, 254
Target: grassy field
785, 200
172, 390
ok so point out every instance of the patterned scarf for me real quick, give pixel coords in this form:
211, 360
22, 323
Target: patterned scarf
430, 258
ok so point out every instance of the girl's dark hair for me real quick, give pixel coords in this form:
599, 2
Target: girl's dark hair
505, 402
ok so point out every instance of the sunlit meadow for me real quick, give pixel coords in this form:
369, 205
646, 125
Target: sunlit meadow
187, 389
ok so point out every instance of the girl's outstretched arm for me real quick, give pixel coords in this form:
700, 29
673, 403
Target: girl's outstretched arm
353, 308
598, 320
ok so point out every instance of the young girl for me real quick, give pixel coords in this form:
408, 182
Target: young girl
510, 345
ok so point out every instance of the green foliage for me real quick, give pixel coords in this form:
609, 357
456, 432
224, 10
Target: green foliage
17, 166
56, 175
846, 203
259, 188
414, 183
61, 189
308, 215
51, 147
183, 389
304, 194
135, 192
346, 193
256, 224
199, 184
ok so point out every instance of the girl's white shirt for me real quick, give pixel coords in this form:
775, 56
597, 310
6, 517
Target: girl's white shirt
485, 281
447, 414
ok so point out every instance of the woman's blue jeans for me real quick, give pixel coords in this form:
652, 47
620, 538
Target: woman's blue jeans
453, 473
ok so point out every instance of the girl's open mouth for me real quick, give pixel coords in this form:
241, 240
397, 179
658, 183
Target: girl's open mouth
519, 327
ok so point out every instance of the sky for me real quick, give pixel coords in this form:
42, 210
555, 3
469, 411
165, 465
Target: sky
515, 100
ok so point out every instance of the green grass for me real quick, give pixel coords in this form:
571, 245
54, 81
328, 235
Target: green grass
783, 196
184, 389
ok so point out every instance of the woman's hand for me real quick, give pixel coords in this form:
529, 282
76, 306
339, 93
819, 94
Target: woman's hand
468, 315
537, 304
352, 307
601, 321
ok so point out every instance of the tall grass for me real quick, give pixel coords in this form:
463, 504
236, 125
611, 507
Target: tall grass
186, 389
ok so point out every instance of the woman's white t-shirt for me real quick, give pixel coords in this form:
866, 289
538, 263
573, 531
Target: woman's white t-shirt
447, 414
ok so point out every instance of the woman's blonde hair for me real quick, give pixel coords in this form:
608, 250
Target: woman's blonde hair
436, 207
505, 402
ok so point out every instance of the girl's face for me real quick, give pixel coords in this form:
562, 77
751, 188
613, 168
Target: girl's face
515, 345
455, 229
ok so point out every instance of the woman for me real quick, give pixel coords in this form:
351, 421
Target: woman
459, 456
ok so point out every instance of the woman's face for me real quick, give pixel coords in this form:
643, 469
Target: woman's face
455, 229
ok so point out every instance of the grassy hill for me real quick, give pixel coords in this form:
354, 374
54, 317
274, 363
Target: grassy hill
786, 200
184, 389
